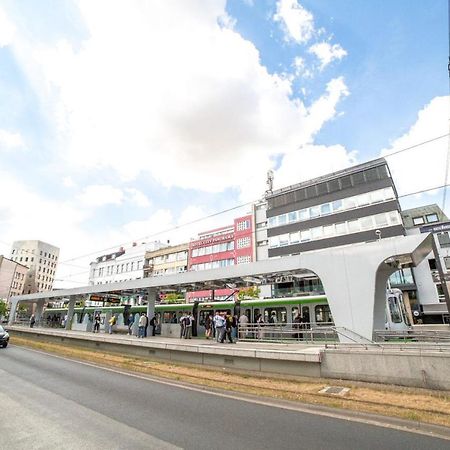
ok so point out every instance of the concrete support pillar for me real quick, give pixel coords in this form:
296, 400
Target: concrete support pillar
39, 310
68, 324
13, 311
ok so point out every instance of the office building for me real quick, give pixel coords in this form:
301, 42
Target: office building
12, 278
41, 259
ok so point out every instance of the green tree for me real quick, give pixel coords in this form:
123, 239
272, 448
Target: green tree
249, 292
3, 308
173, 297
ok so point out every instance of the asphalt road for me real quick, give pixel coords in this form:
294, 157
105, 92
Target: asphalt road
51, 403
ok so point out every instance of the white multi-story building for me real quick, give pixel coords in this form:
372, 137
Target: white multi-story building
41, 259
122, 265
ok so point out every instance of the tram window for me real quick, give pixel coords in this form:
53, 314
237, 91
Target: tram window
166, 317
305, 314
202, 315
323, 314
394, 310
255, 314
294, 314
248, 313
275, 315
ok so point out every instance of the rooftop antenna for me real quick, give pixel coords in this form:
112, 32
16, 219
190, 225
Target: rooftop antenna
269, 181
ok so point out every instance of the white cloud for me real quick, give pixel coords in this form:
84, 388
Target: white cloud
9, 140
68, 182
137, 197
326, 53
311, 161
100, 195
296, 21
422, 167
7, 29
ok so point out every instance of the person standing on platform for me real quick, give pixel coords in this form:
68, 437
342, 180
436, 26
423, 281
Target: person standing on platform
208, 326
142, 322
228, 328
188, 326
243, 323
32, 321
153, 323
146, 324
97, 323
112, 322
130, 324
219, 323
182, 325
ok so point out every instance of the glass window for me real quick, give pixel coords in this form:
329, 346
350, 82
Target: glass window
293, 216
322, 188
432, 218
394, 310
418, 221
372, 174
389, 193
337, 205
333, 185
305, 235
444, 239
381, 220
323, 314
282, 219
363, 200
230, 245
346, 182
316, 233
325, 209
284, 239
377, 196
353, 226
314, 212
303, 214
311, 191
341, 228
349, 202
366, 223
272, 222
358, 178
394, 218
328, 230
294, 238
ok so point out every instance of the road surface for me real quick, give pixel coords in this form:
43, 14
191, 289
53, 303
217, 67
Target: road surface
48, 402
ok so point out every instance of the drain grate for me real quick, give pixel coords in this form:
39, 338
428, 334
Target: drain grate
334, 390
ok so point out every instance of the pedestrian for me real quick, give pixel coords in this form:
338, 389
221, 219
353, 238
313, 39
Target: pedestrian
112, 322
243, 323
298, 325
153, 323
219, 323
146, 324
32, 321
130, 323
97, 323
188, 326
208, 326
183, 325
228, 327
260, 323
142, 322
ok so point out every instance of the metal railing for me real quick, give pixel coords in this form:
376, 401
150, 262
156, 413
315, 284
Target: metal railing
287, 332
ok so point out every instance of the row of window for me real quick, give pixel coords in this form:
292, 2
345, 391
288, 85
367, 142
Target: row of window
210, 249
243, 259
213, 264
345, 204
331, 186
19, 276
337, 229
429, 218
22, 251
16, 285
30, 259
243, 242
243, 225
170, 257
169, 270
119, 268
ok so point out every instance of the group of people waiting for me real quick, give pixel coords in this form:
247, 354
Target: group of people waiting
221, 326
143, 324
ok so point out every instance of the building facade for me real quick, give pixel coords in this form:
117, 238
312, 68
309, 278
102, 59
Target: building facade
12, 278
122, 265
41, 260
222, 247
424, 283
166, 261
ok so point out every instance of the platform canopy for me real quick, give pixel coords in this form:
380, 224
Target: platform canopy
354, 279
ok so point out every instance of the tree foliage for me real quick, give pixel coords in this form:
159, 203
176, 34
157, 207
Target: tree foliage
3, 308
249, 292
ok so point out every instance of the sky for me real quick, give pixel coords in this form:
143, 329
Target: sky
125, 120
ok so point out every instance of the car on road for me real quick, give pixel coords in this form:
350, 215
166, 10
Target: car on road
4, 337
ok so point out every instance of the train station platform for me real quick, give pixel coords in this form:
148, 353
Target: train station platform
405, 365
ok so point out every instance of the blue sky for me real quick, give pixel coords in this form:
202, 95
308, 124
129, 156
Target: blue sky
121, 119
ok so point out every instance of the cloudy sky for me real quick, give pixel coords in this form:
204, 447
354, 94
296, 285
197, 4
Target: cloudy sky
126, 119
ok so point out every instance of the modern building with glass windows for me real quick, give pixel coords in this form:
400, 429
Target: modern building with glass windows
354, 205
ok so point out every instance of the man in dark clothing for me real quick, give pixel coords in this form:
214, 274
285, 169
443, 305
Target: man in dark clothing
228, 327
153, 325
146, 325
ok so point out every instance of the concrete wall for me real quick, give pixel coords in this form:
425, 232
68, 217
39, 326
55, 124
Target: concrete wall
429, 369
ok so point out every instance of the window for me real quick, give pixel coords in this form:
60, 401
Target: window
243, 225
381, 220
341, 228
284, 239
337, 205
282, 220
325, 209
243, 259
447, 262
293, 216
328, 230
432, 218
389, 193
363, 200
377, 196
303, 214
418, 221
294, 238
274, 242
305, 235
323, 314
243, 242
366, 223
272, 222
314, 212
444, 239
353, 226
316, 233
